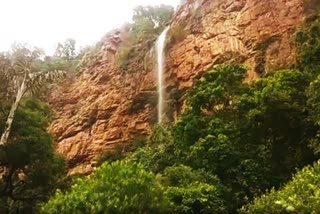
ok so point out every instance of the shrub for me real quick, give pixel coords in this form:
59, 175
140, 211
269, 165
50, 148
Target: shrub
119, 187
124, 55
158, 153
308, 46
193, 191
301, 195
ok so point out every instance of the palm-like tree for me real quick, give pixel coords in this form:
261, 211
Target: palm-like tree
23, 74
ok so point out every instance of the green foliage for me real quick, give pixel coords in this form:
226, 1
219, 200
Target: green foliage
261, 49
151, 18
60, 64
120, 151
307, 41
117, 153
26, 70
125, 53
193, 191
188, 190
233, 142
217, 88
148, 22
32, 168
251, 137
213, 94
158, 153
313, 101
65, 58
119, 187
301, 195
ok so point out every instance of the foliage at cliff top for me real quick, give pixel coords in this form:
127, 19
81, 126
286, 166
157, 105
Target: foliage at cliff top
150, 19
148, 22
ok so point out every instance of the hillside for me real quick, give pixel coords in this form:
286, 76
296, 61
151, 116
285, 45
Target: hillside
106, 107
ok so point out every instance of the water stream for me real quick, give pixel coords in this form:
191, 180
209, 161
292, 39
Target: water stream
160, 46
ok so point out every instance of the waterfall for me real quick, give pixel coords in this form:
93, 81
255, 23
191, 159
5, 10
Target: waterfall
160, 46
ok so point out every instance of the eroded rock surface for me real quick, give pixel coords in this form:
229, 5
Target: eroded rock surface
257, 33
102, 108
105, 106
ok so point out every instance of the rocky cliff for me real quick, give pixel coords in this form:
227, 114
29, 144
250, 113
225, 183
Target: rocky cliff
105, 107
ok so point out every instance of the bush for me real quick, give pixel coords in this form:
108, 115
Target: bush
119, 187
308, 47
193, 191
124, 55
158, 153
301, 195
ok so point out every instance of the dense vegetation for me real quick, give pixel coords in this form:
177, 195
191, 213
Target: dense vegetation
238, 147
119, 187
233, 143
301, 195
29, 168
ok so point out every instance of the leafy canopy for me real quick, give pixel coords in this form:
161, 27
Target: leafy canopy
300, 195
33, 168
251, 136
119, 187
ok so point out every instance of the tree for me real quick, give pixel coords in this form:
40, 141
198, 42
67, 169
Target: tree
159, 151
67, 50
118, 187
308, 46
24, 76
32, 169
253, 137
157, 15
193, 191
148, 23
300, 195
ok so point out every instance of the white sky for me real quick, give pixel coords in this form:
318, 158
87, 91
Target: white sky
44, 23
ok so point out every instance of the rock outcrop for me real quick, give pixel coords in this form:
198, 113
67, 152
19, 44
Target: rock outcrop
256, 33
105, 106
102, 108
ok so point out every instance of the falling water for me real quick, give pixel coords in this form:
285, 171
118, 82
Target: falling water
160, 45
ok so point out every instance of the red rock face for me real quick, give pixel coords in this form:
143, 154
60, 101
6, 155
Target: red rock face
100, 109
105, 107
257, 33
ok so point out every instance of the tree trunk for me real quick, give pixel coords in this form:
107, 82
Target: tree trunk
6, 133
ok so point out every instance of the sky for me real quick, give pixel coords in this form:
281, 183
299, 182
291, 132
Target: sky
44, 23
